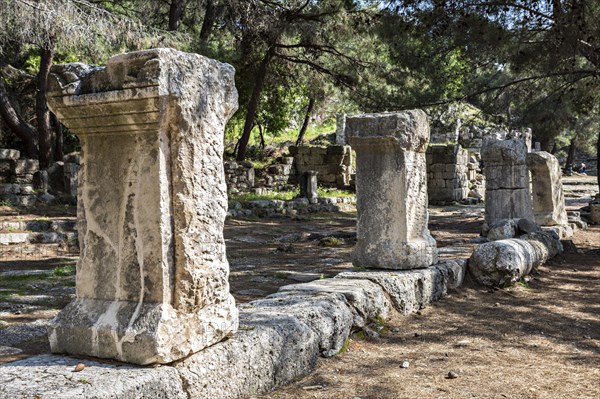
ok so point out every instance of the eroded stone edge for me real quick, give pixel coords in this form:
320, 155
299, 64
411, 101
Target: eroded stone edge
280, 339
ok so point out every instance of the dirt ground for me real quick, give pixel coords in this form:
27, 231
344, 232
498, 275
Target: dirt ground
538, 339
535, 340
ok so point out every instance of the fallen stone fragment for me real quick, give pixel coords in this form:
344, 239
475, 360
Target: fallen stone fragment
452, 375
79, 367
503, 262
405, 364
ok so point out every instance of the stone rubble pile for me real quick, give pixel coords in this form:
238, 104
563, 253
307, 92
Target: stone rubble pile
292, 208
16, 178
281, 176
240, 177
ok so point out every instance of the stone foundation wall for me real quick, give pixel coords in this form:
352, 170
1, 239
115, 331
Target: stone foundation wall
333, 163
447, 173
16, 178
239, 177
280, 176
292, 208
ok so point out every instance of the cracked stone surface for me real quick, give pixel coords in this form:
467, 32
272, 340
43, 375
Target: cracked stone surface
507, 193
152, 280
547, 192
391, 184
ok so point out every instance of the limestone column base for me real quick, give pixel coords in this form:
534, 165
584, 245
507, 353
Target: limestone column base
393, 254
141, 333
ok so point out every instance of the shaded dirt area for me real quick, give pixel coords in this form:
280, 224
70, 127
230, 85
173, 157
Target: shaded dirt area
36, 281
535, 340
538, 339
265, 254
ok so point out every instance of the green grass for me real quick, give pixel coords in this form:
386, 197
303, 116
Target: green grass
345, 346
66, 270
23, 278
311, 133
330, 242
334, 192
275, 195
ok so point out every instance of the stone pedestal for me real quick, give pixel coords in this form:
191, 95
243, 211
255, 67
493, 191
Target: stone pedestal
391, 185
548, 199
152, 280
507, 193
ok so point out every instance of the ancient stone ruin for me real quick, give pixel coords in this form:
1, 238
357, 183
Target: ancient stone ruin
547, 193
391, 183
340, 129
152, 280
16, 178
333, 163
447, 173
507, 194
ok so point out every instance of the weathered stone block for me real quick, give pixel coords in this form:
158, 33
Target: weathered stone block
507, 193
391, 187
52, 377
366, 297
340, 127
70, 178
595, 213
152, 279
505, 177
507, 204
26, 166
10, 189
9, 154
548, 199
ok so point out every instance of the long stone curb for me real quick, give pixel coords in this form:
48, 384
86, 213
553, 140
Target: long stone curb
279, 340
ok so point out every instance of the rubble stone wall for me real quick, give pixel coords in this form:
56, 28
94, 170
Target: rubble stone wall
447, 173
16, 178
333, 163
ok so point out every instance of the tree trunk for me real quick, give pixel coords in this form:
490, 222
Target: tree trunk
23, 130
309, 109
210, 15
253, 104
262, 136
41, 108
571, 155
59, 138
175, 11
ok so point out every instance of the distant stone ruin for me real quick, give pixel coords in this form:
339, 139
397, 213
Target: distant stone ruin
391, 183
333, 163
507, 194
152, 280
447, 173
547, 192
16, 178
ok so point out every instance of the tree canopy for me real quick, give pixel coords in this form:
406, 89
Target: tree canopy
529, 63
